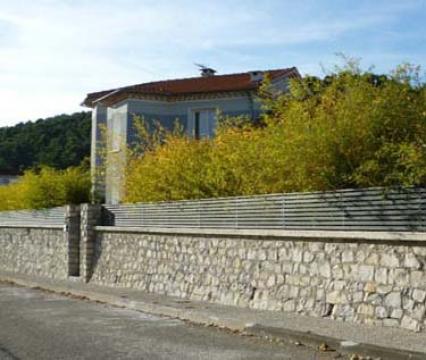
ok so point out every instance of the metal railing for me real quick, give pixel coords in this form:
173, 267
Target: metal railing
353, 209
44, 217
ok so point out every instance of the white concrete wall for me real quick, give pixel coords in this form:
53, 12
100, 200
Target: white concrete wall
99, 119
117, 125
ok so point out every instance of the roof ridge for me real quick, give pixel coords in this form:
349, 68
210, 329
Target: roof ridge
192, 78
200, 77
223, 82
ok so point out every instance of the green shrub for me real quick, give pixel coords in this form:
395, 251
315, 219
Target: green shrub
45, 188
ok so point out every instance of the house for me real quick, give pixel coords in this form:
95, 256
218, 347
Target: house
193, 102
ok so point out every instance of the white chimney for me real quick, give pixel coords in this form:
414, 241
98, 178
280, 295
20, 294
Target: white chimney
256, 76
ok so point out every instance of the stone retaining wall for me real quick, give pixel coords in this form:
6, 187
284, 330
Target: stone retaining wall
376, 282
34, 251
375, 278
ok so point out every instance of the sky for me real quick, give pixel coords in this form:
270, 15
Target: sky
53, 52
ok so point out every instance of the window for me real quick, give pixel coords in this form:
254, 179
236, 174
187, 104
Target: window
204, 123
197, 124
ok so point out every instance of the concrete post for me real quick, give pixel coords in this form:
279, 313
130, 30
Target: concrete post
90, 216
98, 144
72, 238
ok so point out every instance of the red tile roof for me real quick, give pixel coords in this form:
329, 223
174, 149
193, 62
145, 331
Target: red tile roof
188, 86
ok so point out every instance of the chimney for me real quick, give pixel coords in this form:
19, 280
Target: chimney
256, 76
205, 72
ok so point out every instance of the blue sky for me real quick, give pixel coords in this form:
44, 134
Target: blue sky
52, 52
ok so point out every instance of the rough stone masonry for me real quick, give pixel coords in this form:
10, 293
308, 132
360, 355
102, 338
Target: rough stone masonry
373, 278
34, 251
374, 282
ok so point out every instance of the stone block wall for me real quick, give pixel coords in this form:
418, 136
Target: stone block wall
368, 278
72, 238
43, 243
34, 251
375, 282
90, 216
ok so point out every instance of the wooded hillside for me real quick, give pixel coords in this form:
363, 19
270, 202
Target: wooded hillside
60, 141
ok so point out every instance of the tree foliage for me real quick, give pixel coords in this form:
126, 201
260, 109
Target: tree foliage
47, 187
351, 129
60, 141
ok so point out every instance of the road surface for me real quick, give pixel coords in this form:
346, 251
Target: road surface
39, 325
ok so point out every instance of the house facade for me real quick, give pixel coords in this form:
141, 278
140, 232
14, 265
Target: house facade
192, 102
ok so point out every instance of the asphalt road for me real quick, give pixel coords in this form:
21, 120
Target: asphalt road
38, 325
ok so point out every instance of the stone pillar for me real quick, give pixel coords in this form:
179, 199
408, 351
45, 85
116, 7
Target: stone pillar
72, 238
90, 215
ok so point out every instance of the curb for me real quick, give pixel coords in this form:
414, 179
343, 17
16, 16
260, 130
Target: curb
368, 351
185, 313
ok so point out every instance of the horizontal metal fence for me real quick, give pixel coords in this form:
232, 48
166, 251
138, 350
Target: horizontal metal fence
353, 209
44, 217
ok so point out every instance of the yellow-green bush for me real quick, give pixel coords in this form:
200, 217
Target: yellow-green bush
45, 188
351, 130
